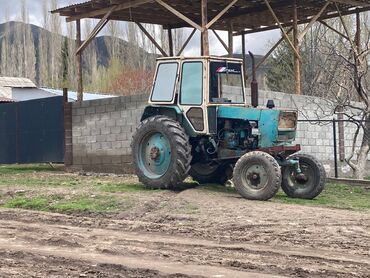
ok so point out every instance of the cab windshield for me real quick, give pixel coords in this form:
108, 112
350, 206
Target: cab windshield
226, 83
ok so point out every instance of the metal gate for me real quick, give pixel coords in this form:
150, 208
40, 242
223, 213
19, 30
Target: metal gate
32, 131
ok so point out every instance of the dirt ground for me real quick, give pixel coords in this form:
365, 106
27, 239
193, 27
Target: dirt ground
193, 233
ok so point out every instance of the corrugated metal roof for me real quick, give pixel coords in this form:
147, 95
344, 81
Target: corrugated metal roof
72, 96
16, 82
4, 99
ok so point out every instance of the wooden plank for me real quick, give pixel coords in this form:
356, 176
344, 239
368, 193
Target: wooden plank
131, 4
352, 2
170, 42
141, 27
217, 17
205, 42
220, 40
312, 22
282, 29
333, 29
180, 15
187, 42
96, 30
297, 62
272, 49
230, 40
79, 62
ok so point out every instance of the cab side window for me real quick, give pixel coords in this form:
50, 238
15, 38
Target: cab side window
165, 82
191, 89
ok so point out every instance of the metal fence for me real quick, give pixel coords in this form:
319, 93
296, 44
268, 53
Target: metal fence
32, 131
343, 134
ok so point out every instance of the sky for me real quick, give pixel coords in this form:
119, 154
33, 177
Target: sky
257, 43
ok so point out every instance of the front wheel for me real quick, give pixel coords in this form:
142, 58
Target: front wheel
257, 176
161, 152
309, 183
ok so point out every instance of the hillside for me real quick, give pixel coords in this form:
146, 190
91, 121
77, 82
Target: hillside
99, 48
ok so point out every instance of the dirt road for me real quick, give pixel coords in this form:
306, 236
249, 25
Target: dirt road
194, 233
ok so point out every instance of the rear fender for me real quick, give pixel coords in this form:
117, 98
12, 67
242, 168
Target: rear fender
173, 112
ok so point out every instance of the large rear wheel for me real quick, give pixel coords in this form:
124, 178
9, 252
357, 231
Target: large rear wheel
309, 183
257, 176
205, 173
161, 152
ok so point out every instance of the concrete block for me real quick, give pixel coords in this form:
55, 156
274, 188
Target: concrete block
100, 109
110, 108
105, 130
115, 115
91, 110
101, 138
115, 130
111, 138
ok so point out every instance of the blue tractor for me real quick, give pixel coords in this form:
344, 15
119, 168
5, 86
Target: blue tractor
198, 123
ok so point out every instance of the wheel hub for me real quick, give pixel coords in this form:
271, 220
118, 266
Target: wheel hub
254, 178
301, 178
155, 153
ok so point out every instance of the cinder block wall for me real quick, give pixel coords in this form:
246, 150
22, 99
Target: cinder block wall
102, 130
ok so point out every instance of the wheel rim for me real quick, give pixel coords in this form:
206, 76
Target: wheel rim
301, 182
154, 155
255, 176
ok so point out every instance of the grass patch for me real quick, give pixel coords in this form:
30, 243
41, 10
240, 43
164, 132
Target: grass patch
334, 195
29, 168
79, 203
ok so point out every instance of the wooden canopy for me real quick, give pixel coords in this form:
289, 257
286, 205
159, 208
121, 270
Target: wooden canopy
238, 17
243, 14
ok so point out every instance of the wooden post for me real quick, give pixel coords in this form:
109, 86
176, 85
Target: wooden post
79, 62
358, 32
204, 37
244, 58
170, 42
230, 41
297, 62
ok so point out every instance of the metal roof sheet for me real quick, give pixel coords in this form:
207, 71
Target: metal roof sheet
16, 82
6, 100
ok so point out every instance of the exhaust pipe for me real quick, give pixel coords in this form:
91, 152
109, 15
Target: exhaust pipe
254, 83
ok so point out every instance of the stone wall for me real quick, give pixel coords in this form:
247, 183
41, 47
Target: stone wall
102, 130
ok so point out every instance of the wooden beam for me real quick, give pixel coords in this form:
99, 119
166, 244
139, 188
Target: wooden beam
244, 60
130, 4
354, 48
274, 27
170, 41
187, 42
141, 27
297, 62
96, 30
312, 22
205, 42
352, 2
333, 29
273, 48
179, 15
230, 40
79, 62
282, 29
220, 40
217, 17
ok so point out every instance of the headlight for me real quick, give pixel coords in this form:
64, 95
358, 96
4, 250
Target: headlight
288, 120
